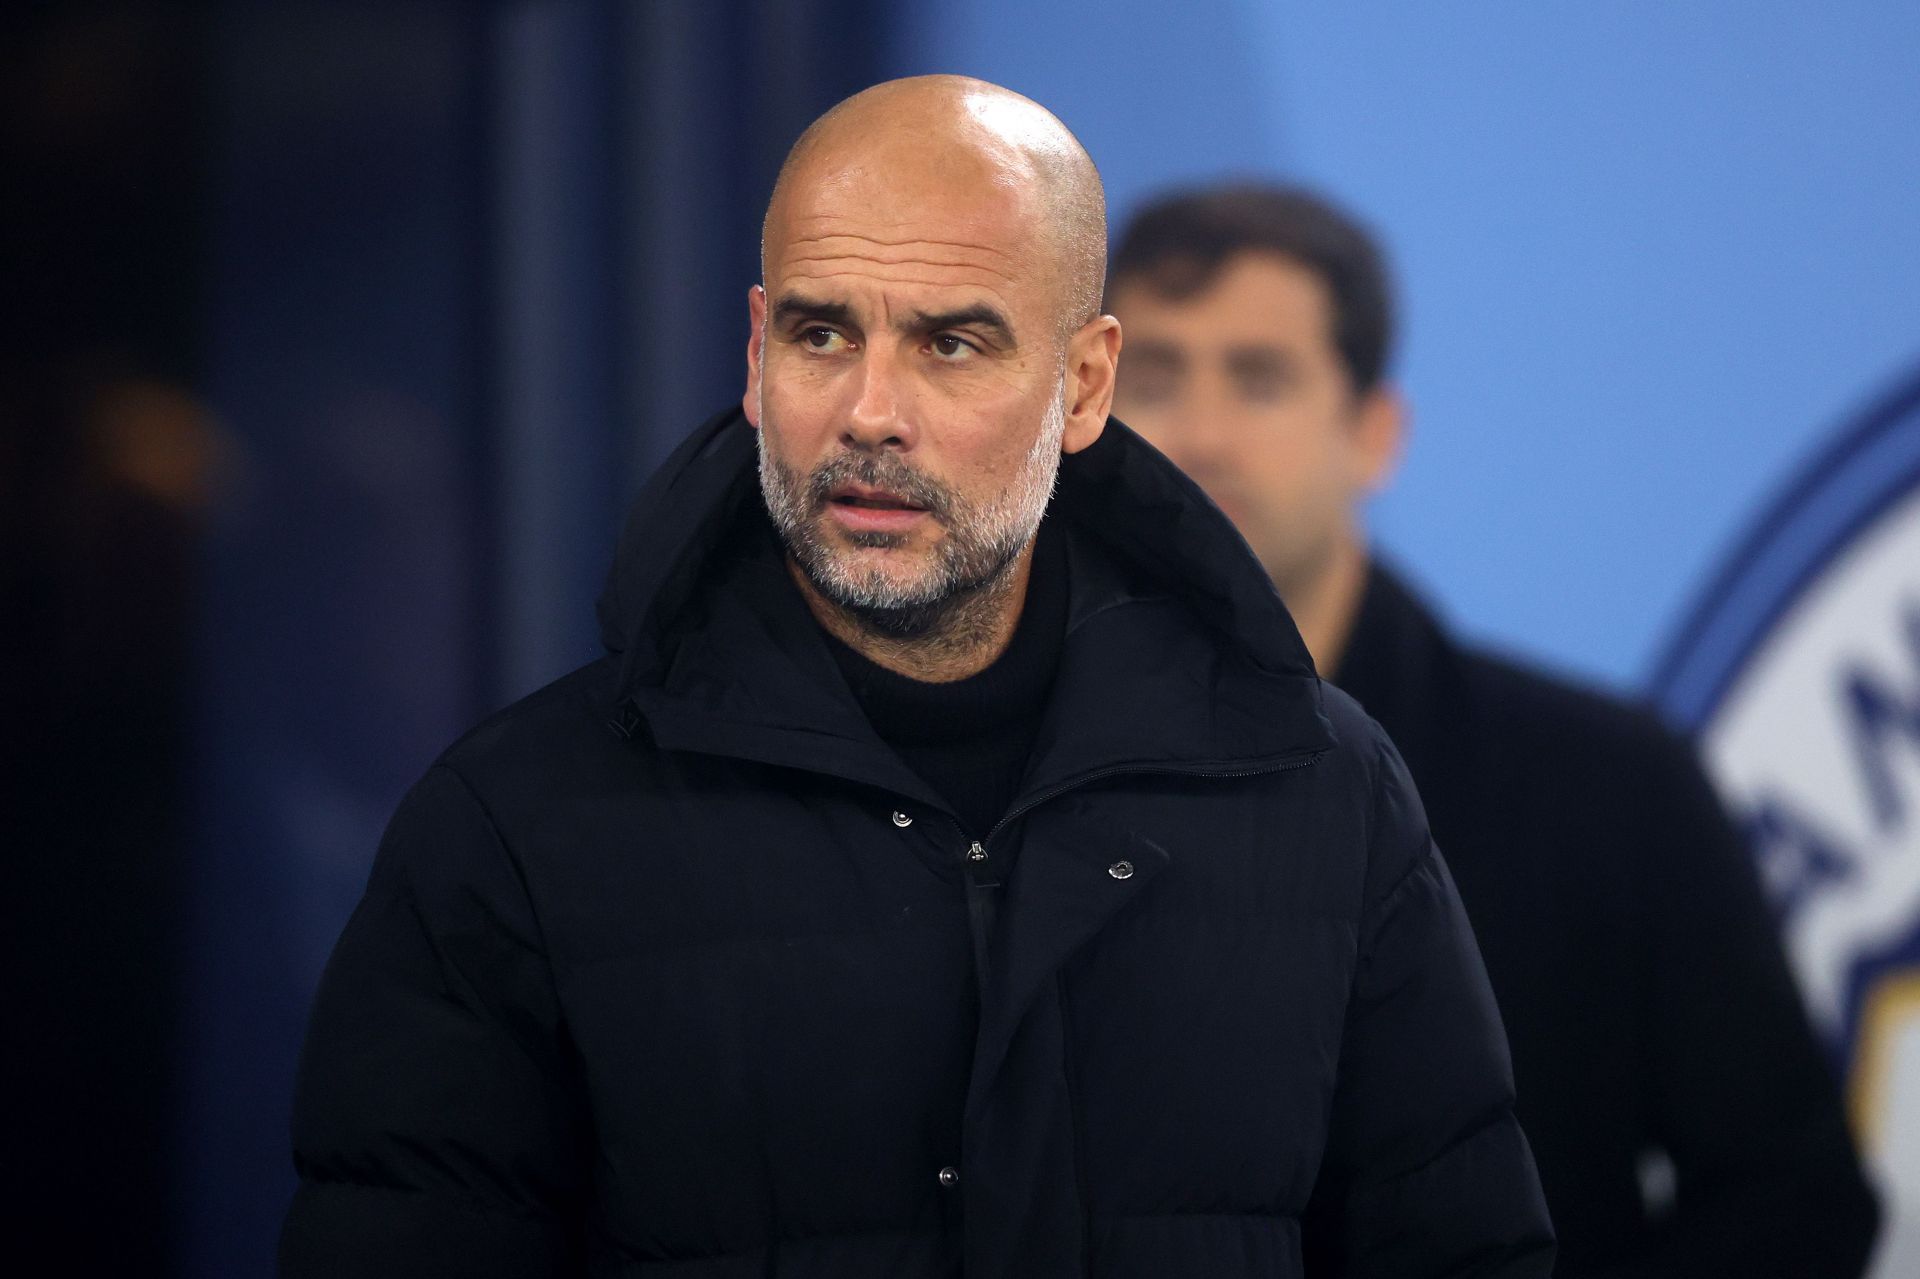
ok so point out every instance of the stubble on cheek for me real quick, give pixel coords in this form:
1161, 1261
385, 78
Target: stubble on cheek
830, 555
961, 552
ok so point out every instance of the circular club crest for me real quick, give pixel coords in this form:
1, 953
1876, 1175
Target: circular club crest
1799, 674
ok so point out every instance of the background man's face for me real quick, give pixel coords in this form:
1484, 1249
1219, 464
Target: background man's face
906, 378
1242, 387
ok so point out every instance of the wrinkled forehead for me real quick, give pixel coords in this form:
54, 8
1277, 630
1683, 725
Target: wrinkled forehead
941, 216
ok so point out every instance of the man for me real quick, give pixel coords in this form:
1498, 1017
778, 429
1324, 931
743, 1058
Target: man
919, 885
1653, 1023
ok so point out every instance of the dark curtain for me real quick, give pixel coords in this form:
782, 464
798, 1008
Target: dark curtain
474, 269
104, 453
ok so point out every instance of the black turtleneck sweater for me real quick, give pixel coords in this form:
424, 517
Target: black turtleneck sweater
969, 739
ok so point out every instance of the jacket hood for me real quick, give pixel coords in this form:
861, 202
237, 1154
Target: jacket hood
1177, 640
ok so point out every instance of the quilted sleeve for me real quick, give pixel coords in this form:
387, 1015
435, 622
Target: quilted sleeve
438, 1125
1426, 1171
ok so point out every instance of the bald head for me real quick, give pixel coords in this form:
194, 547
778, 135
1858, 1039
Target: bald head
950, 142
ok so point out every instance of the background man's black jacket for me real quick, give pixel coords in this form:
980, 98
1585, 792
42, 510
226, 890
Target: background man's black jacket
696, 994
1645, 996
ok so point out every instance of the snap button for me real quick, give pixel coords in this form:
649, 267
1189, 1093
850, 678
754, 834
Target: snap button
1121, 870
949, 1177
901, 819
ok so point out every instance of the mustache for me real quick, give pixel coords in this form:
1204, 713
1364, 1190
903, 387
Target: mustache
877, 471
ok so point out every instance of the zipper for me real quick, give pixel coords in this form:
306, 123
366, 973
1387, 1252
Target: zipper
978, 853
1077, 1116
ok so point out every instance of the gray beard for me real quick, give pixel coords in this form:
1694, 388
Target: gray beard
955, 601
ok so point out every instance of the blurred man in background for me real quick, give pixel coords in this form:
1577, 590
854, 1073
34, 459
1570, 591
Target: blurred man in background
1684, 1120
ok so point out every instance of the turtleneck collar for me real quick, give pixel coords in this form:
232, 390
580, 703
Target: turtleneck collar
906, 710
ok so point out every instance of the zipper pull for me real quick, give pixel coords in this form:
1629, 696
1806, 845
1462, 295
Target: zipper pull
976, 853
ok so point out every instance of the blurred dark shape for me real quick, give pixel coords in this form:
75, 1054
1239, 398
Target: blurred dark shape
335, 337
106, 464
469, 260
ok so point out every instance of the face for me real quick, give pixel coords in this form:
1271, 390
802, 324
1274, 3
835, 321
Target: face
1242, 387
912, 391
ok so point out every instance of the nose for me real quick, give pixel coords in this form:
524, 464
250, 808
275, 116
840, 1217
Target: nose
879, 414
1209, 437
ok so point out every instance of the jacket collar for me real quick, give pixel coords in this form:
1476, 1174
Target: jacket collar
1179, 655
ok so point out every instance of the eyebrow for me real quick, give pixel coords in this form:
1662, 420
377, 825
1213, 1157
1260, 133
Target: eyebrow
979, 316
790, 307
1260, 359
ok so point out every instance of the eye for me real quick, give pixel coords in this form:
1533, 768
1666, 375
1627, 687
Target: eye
1263, 375
1262, 386
1146, 391
950, 346
823, 339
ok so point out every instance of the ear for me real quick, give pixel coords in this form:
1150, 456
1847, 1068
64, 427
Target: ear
1093, 355
1380, 427
756, 339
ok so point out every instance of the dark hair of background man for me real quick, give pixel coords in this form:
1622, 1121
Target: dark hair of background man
1176, 246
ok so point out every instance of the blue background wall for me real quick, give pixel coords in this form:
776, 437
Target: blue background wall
1650, 254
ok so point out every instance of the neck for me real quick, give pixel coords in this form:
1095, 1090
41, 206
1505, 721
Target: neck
965, 642
1325, 608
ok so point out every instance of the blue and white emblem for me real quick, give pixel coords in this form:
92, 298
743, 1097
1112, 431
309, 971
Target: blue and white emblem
1799, 673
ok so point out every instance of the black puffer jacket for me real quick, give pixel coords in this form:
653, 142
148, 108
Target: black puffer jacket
668, 969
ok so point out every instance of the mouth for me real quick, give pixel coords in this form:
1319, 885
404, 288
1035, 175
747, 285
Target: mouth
862, 509
872, 498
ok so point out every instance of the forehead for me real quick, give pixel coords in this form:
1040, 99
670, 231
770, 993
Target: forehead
930, 224
1254, 298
